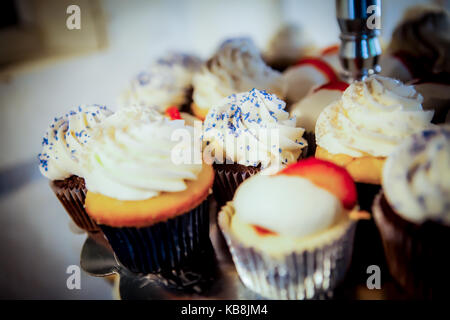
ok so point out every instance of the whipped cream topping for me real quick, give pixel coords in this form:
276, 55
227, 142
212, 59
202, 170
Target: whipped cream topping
65, 140
424, 33
252, 128
294, 207
372, 118
236, 67
129, 156
416, 177
165, 83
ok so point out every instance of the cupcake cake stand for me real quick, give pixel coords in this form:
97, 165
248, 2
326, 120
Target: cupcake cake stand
218, 280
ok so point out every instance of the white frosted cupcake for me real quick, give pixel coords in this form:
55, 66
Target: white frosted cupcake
63, 146
166, 83
287, 46
291, 234
247, 132
413, 213
370, 120
237, 66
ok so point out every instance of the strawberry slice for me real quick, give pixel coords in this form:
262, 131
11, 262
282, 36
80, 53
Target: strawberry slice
320, 65
173, 113
335, 85
263, 231
328, 176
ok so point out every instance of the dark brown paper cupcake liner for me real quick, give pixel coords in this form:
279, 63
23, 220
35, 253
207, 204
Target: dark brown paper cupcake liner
310, 150
165, 246
228, 178
298, 275
71, 192
417, 255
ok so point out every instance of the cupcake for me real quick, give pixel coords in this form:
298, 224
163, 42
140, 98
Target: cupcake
361, 129
247, 132
413, 213
146, 192
307, 110
62, 146
167, 82
283, 250
237, 66
287, 46
307, 73
421, 40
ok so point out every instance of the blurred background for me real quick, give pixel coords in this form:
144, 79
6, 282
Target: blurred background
46, 69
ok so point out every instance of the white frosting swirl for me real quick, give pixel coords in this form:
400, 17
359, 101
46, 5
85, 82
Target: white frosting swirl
65, 139
165, 83
416, 177
130, 155
372, 117
251, 128
236, 67
295, 208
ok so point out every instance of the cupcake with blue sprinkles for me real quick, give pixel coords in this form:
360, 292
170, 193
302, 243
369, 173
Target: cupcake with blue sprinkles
60, 160
412, 213
245, 133
167, 82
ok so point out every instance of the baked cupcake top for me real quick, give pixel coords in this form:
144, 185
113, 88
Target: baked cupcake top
135, 155
423, 34
237, 66
305, 204
372, 118
165, 83
416, 177
65, 140
252, 128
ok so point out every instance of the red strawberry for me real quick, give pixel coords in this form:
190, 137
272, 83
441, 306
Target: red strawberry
173, 113
326, 175
320, 65
335, 85
263, 231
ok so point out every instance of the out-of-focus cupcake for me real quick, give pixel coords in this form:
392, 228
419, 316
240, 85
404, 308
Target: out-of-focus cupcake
62, 146
287, 46
307, 110
436, 95
166, 83
247, 132
421, 41
307, 73
237, 66
291, 234
361, 129
146, 191
413, 213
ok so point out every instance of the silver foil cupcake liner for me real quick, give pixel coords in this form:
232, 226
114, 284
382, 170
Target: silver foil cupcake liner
308, 274
72, 199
